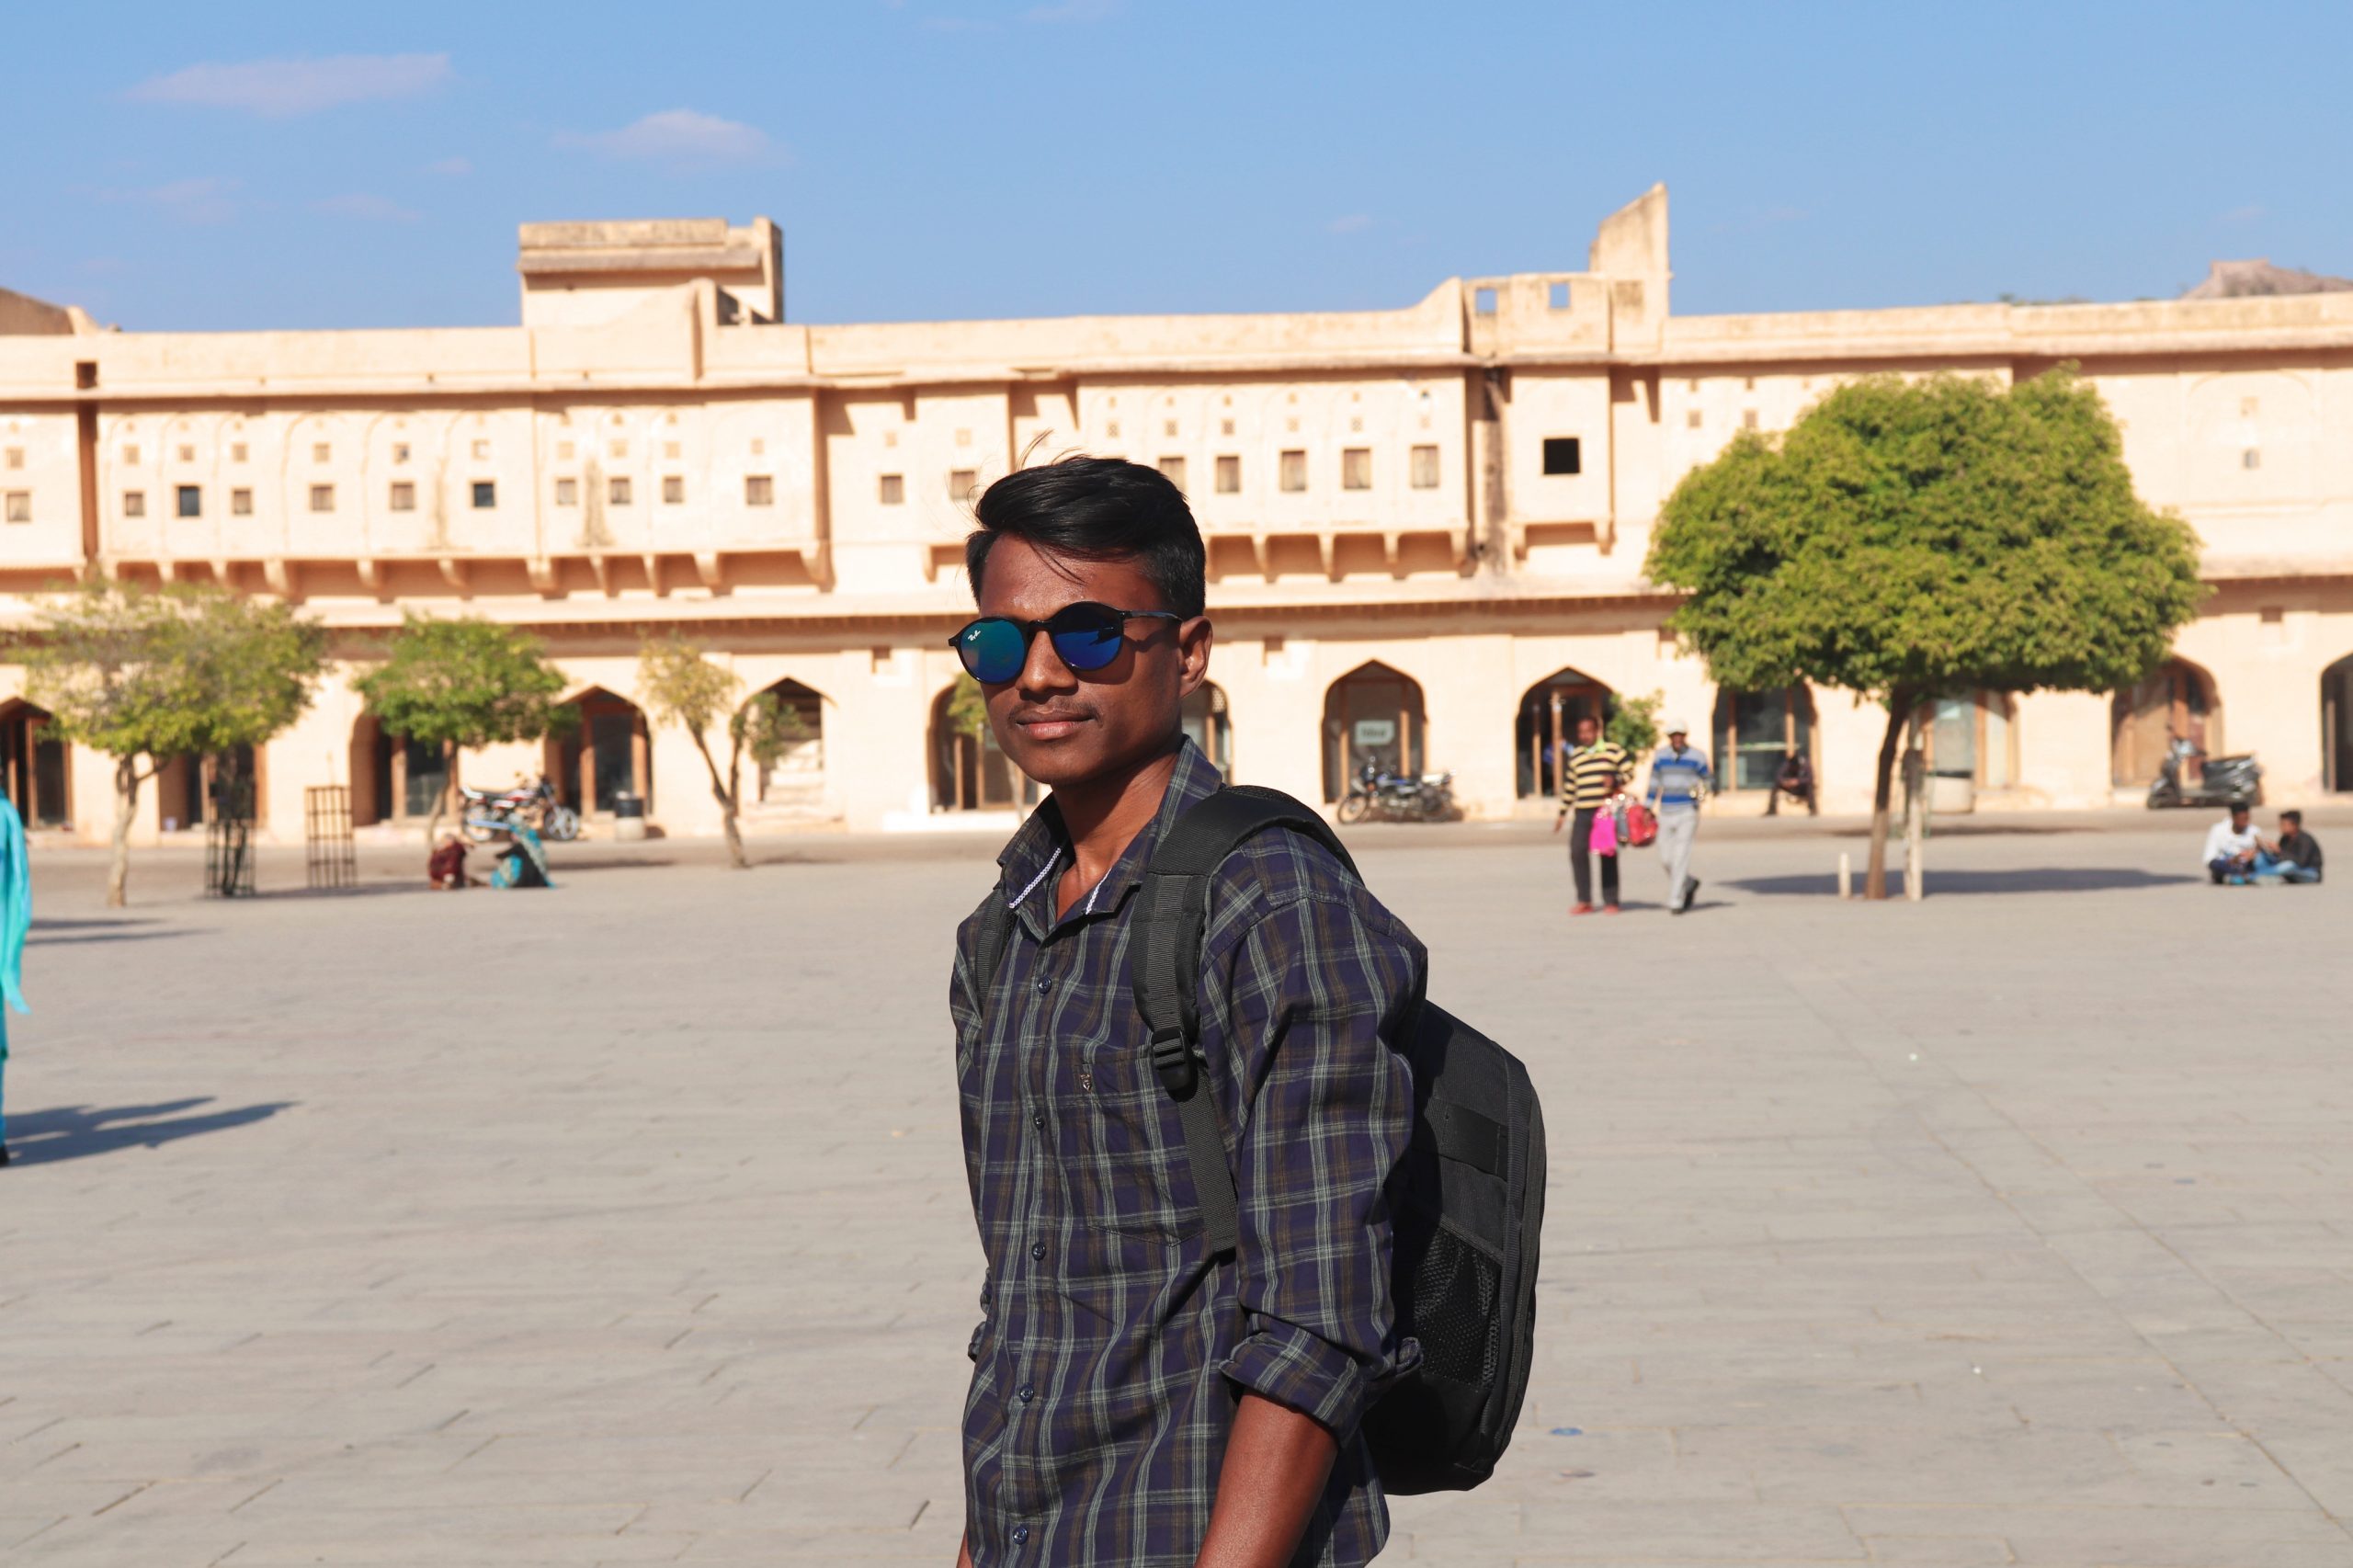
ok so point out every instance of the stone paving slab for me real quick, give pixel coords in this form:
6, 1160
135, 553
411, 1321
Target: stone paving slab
627, 1224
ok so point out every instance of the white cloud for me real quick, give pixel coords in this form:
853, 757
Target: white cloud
279, 89
679, 136
204, 200
366, 207
1072, 11
456, 168
1352, 224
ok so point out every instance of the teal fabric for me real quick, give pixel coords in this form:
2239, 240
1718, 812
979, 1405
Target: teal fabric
15, 920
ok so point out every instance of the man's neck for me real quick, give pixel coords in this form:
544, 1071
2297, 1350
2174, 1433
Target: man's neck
1104, 814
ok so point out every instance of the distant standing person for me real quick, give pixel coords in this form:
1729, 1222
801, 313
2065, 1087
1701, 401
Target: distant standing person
1679, 779
1594, 770
15, 920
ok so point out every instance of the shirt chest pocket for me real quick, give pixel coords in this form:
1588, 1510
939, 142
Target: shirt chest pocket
1122, 1148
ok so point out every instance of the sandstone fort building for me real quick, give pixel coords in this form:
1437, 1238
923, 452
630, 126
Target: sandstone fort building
1426, 526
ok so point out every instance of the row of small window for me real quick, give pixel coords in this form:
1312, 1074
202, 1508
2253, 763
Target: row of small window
1290, 471
187, 500
324, 452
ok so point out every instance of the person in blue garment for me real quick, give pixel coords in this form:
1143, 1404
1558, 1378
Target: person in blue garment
15, 920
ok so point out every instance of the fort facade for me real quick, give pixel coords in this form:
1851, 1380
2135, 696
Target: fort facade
1426, 526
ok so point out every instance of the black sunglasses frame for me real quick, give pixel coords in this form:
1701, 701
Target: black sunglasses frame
1105, 619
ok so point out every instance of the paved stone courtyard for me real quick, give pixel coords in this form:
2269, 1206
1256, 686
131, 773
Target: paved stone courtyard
626, 1224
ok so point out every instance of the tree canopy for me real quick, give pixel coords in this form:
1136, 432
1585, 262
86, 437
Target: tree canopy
458, 684
1908, 539
160, 672
681, 686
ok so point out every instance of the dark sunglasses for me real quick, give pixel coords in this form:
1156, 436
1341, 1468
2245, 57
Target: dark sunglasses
1085, 637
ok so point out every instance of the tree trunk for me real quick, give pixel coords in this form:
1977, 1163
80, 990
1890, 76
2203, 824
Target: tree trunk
1899, 707
1915, 814
441, 796
126, 809
723, 789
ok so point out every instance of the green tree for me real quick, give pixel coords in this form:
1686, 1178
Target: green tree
155, 673
454, 685
1633, 723
1907, 540
967, 708
682, 686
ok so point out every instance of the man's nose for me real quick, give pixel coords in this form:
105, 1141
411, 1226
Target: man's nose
1043, 669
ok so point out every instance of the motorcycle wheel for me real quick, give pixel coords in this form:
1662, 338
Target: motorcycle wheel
1354, 807
562, 825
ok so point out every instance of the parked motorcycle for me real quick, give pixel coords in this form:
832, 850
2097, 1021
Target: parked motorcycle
2220, 781
1376, 796
493, 813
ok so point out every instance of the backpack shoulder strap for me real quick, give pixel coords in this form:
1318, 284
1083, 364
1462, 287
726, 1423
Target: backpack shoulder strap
992, 939
1164, 968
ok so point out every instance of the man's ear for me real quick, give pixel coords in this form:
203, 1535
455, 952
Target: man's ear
1193, 640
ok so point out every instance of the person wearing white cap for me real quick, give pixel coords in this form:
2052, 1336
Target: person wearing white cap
1679, 779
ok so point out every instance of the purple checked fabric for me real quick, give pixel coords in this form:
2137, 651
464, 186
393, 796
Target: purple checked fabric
1113, 1351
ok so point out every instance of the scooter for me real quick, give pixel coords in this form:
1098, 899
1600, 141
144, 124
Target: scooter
2220, 781
1392, 796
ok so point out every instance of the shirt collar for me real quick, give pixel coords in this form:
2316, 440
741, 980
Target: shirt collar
1041, 850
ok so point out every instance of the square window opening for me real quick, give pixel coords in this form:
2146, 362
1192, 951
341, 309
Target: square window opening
1229, 476
240, 503
188, 501
673, 489
1557, 296
1173, 469
962, 482
1292, 470
1563, 454
567, 492
1426, 468
20, 505
403, 496
1356, 468
486, 493
134, 503
616, 491
892, 489
1482, 301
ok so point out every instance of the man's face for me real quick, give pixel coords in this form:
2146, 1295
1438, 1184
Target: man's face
1675, 738
1063, 729
1587, 731
2238, 819
2289, 827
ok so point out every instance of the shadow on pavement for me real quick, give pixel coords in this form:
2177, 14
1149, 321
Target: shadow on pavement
72, 1132
2048, 879
37, 941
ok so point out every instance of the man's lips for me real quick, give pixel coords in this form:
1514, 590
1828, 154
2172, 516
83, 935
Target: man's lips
1049, 725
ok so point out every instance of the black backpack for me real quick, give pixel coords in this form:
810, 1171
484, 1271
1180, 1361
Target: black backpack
1471, 1196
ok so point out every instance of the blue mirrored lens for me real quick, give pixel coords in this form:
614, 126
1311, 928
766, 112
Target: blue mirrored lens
1088, 647
992, 649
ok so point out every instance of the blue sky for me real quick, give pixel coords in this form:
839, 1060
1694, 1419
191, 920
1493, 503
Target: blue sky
246, 166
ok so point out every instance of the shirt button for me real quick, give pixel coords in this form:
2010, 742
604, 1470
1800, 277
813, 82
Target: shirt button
1039, 1122
1042, 983
1020, 1534
1038, 1251
1026, 1393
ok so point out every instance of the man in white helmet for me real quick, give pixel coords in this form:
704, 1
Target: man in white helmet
1679, 780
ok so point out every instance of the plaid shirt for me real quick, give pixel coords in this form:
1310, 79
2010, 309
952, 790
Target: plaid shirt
1113, 1351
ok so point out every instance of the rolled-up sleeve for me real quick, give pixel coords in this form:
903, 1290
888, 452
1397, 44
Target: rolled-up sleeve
1321, 988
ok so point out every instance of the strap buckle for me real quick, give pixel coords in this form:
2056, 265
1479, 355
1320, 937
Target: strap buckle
1173, 1059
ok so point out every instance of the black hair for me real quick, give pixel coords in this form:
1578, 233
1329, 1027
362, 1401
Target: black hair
2238, 806
1097, 509
2296, 817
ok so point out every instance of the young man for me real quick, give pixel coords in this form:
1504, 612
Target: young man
1134, 1400
2295, 858
1679, 779
2231, 847
1593, 772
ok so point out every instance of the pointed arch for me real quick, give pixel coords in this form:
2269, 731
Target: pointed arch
36, 767
796, 779
2177, 701
1547, 724
1374, 714
607, 754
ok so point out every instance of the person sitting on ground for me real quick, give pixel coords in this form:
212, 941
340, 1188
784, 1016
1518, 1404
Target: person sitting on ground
2295, 858
1796, 780
2232, 846
445, 867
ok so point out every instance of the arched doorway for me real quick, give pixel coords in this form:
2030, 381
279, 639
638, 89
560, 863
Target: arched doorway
1211, 727
795, 779
2177, 701
2337, 725
1371, 714
1755, 730
968, 772
190, 791
392, 779
606, 756
34, 765
1547, 726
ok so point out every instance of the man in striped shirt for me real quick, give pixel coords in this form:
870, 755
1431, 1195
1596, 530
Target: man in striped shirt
1591, 773
1678, 778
